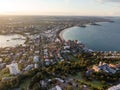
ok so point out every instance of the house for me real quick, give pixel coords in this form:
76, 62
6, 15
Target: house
36, 65
57, 40
60, 80
36, 59
79, 42
66, 47
43, 83
47, 62
104, 67
45, 51
96, 68
29, 67
13, 68
65, 51
2, 65
58, 87
37, 52
89, 72
116, 87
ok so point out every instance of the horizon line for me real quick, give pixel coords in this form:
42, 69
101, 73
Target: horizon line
57, 15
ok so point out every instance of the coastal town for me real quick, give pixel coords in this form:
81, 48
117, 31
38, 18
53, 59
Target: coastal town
45, 61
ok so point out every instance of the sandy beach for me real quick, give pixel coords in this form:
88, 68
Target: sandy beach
60, 33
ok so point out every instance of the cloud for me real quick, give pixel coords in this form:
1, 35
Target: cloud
104, 1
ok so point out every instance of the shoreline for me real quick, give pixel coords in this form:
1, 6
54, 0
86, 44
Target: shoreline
60, 32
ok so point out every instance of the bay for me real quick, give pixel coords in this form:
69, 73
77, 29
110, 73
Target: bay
98, 38
11, 40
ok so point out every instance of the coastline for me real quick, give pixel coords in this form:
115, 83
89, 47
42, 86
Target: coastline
60, 32
62, 39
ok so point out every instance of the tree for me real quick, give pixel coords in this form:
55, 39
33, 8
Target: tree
69, 87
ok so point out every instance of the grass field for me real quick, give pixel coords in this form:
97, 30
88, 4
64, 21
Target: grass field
25, 84
95, 84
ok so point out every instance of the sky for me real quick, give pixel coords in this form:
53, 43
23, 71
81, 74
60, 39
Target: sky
60, 7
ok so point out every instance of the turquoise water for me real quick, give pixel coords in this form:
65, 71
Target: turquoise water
98, 38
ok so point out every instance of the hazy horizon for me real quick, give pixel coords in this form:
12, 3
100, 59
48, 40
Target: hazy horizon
61, 7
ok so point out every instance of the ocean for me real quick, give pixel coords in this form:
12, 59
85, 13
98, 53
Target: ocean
98, 38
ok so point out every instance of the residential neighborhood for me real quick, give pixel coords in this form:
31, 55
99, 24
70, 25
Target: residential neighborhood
45, 61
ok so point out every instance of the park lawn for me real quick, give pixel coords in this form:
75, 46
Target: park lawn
95, 84
78, 76
73, 58
4, 73
24, 84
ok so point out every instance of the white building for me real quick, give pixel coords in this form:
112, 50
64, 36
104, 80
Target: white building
13, 68
29, 67
57, 40
79, 42
36, 65
36, 59
66, 47
116, 87
58, 87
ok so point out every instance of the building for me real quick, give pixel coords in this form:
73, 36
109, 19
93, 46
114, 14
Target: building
104, 67
13, 68
116, 87
2, 65
29, 67
1, 60
96, 68
36, 65
36, 59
